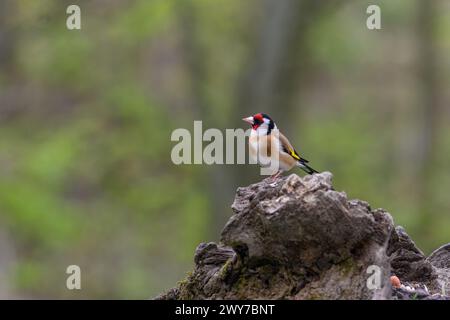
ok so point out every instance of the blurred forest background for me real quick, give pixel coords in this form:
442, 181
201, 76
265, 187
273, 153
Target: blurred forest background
86, 118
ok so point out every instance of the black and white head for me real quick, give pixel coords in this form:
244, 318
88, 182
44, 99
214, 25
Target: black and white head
261, 123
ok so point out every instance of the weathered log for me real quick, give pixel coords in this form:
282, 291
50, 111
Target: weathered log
301, 239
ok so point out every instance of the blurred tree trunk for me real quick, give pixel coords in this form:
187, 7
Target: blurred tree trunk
7, 67
272, 79
428, 110
218, 184
8, 40
7, 264
7, 36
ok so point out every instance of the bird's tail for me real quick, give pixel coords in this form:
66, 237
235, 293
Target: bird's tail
306, 168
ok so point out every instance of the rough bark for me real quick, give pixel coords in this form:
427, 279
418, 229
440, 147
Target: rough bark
301, 239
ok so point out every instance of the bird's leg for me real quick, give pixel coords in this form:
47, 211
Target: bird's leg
274, 177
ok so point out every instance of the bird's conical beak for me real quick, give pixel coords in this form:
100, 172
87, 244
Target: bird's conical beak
248, 120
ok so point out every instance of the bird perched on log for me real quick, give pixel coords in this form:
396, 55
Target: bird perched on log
267, 145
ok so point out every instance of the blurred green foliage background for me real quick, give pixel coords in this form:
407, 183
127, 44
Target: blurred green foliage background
86, 117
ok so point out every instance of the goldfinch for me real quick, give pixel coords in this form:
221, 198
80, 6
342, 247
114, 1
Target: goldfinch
266, 140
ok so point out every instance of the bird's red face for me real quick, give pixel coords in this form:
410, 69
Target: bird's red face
255, 121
